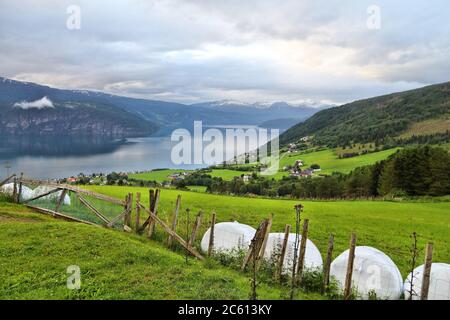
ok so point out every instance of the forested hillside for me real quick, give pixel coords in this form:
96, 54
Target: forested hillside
376, 119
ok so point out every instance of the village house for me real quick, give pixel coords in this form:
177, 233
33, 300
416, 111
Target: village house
304, 139
298, 163
306, 173
178, 175
292, 147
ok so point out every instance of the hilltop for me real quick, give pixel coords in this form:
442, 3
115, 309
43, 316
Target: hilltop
378, 119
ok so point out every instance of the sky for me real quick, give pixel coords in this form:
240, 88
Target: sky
190, 51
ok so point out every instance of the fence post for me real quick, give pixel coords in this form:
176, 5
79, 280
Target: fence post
20, 187
138, 211
60, 199
426, 272
211, 234
287, 230
154, 209
15, 190
301, 258
130, 209
151, 197
125, 216
349, 274
326, 269
198, 221
266, 236
254, 249
175, 220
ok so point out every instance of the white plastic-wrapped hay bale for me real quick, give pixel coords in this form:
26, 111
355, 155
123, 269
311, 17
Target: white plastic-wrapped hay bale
51, 197
229, 236
26, 194
7, 188
373, 272
313, 258
439, 288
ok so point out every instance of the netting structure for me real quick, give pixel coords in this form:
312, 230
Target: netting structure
51, 197
439, 288
374, 273
313, 258
27, 193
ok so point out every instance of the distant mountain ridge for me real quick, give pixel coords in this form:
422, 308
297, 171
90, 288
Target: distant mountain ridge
24, 110
375, 119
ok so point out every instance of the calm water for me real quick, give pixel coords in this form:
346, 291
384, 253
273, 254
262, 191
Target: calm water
58, 158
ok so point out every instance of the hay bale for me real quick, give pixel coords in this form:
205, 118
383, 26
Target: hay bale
228, 237
439, 282
8, 189
313, 258
373, 272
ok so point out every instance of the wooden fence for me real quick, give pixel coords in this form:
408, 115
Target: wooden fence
254, 253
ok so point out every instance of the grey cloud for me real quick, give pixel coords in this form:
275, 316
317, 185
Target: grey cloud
162, 48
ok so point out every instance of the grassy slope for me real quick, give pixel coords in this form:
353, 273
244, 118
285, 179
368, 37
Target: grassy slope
327, 159
36, 250
162, 175
226, 174
156, 175
384, 225
428, 127
329, 162
370, 119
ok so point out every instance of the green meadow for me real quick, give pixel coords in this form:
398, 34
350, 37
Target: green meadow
329, 161
227, 174
35, 251
386, 225
155, 175
163, 175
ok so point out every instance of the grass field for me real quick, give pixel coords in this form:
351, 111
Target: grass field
35, 251
427, 127
327, 159
197, 188
163, 175
381, 224
155, 175
226, 174
330, 163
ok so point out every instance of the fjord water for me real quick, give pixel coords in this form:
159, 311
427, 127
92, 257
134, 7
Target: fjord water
44, 158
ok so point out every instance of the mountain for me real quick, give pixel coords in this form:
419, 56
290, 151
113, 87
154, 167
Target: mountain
282, 124
380, 118
261, 113
29, 108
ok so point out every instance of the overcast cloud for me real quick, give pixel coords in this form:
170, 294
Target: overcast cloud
253, 50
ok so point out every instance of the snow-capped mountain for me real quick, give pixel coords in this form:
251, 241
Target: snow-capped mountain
32, 108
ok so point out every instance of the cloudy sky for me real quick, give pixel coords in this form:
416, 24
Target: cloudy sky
254, 50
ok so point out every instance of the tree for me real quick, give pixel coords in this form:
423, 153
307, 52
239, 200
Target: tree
315, 166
